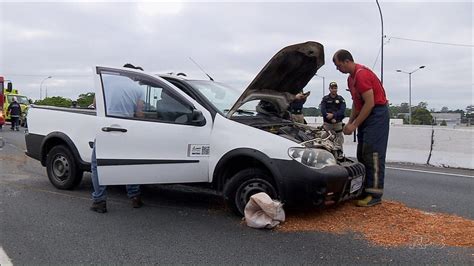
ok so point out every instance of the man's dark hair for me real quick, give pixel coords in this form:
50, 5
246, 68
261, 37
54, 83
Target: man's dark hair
343, 55
132, 66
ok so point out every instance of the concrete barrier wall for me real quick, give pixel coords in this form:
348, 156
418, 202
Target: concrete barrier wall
452, 147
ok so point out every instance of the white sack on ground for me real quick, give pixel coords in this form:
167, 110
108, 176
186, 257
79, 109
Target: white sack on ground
263, 212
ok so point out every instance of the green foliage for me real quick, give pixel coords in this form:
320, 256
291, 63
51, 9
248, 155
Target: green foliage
311, 111
85, 99
404, 108
55, 101
423, 105
348, 112
421, 116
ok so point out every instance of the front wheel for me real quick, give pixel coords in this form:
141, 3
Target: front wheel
62, 170
244, 184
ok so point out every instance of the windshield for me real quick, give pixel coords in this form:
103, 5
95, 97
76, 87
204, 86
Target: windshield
20, 99
221, 96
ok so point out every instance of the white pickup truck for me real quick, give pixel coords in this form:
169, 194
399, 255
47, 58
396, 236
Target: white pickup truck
202, 133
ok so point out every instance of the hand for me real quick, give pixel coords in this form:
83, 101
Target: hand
349, 129
329, 116
333, 121
300, 96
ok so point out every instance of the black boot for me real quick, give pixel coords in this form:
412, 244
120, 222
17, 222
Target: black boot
100, 207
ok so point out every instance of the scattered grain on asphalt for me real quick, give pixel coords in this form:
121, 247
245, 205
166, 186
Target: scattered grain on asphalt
388, 224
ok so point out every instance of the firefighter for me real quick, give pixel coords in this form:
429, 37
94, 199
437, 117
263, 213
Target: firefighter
370, 116
14, 110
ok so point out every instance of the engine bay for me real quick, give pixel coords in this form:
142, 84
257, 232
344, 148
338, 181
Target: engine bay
309, 136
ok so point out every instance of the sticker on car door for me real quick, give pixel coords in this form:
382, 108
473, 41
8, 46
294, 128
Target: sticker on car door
196, 150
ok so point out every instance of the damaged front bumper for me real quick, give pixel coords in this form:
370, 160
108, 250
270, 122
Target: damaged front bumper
300, 185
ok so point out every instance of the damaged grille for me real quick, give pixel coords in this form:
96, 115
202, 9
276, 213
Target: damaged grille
355, 170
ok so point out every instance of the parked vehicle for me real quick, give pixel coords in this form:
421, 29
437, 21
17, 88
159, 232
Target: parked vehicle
201, 132
8, 94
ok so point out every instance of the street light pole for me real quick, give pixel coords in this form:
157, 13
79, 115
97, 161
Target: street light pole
409, 89
381, 43
41, 86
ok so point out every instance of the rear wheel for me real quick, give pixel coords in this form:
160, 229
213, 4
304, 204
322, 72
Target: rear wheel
244, 184
62, 170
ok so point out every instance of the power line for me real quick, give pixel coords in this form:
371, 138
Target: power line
377, 58
432, 42
42, 75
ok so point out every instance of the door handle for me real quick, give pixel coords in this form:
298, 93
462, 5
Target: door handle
117, 129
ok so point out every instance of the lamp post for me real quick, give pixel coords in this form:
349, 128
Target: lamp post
41, 86
324, 84
381, 43
409, 89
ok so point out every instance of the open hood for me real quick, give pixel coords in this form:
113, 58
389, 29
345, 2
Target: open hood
284, 76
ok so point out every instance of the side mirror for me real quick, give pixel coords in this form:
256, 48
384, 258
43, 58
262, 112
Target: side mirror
9, 87
198, 118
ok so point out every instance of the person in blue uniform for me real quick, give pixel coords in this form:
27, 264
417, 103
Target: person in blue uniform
333, 107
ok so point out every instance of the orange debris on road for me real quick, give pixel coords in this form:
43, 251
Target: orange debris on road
388, 224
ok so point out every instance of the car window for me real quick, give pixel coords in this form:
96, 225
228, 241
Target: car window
129, 96
20, 99
218, 94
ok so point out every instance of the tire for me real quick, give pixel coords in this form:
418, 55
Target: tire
243, 185
62, 169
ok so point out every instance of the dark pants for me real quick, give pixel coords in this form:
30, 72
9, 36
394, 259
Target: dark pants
15, 122
372, 137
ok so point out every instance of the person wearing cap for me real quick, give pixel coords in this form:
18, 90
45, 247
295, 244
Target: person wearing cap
296, 107
333, 107
370, 116
14, 110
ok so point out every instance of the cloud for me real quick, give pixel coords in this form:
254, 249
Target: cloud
232, 41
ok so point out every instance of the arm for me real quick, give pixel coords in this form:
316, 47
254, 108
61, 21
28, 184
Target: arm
139, 110
358, 119
9, 109
323, 108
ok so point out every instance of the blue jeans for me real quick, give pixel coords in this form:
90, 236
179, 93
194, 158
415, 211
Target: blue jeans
99, 192
372, 138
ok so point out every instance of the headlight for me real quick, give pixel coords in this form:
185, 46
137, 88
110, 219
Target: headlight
314, 158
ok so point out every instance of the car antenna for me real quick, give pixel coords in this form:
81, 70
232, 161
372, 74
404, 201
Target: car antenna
201, 69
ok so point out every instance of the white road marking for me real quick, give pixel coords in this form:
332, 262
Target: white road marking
428, 172
4, 259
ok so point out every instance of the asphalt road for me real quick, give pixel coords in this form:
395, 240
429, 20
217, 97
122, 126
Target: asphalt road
42, 225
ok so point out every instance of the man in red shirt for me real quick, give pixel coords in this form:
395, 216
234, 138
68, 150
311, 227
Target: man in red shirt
371, 117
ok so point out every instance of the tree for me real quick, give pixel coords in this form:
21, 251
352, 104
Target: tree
404, 108
393, 110
423, 105
55, 101
421, 116
85, 99
444, 109
311, 111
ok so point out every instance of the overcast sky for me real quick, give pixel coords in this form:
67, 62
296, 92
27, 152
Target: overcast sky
232, 41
